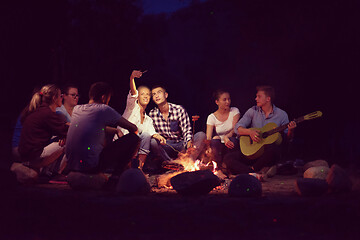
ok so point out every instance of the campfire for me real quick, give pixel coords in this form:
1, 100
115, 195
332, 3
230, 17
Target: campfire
185, 163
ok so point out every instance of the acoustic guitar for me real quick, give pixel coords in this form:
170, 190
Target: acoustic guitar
269, 134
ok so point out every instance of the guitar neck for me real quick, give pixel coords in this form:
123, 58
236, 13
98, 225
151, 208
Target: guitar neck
283, 127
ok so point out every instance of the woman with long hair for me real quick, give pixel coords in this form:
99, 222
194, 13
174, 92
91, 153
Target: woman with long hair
40, 124
220, 126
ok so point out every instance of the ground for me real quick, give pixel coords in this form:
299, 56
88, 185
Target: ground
52, 211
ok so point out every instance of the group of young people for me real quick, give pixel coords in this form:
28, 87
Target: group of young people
56, 135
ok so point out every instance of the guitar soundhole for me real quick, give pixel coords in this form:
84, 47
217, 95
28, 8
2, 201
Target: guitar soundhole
265, 135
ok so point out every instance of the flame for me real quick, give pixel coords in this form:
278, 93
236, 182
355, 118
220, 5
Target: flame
185, 159
204, 162
191, 166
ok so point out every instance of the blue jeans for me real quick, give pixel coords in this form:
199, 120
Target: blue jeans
145, 139
166, 152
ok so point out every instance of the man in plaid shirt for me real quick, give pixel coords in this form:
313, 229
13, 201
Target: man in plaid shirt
172, 122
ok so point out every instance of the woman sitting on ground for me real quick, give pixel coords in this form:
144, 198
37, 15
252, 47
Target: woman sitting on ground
220, 126
39, 126
136, 103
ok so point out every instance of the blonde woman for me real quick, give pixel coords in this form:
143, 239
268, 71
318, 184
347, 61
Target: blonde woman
39, 126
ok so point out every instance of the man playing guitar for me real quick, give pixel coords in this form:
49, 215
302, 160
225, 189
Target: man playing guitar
257, 117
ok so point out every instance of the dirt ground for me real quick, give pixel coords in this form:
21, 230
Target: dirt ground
52, 211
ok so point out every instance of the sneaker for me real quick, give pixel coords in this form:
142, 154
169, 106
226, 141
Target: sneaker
259, 176
23, 173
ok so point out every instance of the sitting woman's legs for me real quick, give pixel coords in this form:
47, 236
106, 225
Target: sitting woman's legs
217, 148
50, 154
144, 148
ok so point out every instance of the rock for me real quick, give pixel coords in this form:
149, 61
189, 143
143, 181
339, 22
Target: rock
316, 163
286, 169
245, 185
195, 183
338, 179
311, 186
317, 172
24, 174
133, 182
82, 181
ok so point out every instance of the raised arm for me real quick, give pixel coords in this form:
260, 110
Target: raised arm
134, 74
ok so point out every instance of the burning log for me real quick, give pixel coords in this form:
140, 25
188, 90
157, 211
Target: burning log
172, 166
163, 181
199, 182
199, 176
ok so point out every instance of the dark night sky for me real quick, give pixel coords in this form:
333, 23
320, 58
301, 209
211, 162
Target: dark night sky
307, 50
164, 6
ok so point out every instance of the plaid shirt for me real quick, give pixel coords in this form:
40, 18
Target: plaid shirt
177, 127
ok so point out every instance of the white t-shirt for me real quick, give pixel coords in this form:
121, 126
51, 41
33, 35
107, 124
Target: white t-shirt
86, 135
132, 114
222, 128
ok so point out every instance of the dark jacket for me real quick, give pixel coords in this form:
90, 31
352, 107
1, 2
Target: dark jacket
38, 129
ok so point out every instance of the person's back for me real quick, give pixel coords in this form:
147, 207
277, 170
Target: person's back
86, 135
39, 127
85, 148
37, 154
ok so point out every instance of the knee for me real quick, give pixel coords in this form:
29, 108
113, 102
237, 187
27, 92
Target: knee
200, 136
230, 157
154, 143
145, 136
215, 143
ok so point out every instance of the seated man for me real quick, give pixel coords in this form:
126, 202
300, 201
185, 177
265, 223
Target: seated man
256, 117
172, 122
85, 147
137, 101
